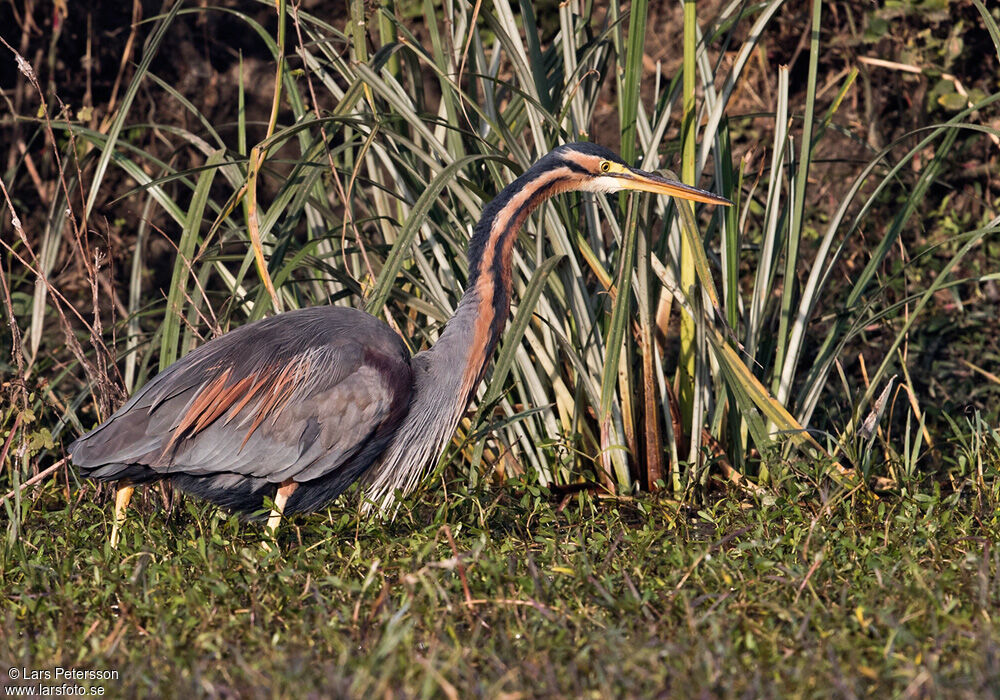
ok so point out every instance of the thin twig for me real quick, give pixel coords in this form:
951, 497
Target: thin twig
459, 565
34, 480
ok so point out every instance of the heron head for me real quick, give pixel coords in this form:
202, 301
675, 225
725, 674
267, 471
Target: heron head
602, 170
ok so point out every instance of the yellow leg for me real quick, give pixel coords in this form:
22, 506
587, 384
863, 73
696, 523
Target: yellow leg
285, 491
122, 497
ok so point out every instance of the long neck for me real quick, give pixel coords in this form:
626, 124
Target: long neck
446, 375
468, 341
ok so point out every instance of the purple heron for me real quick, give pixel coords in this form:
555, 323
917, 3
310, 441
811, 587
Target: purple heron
298, 406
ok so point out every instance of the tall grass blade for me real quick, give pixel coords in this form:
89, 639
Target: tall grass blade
401, 248
183, 264
621, 319
786, 358
991, 24
687, 354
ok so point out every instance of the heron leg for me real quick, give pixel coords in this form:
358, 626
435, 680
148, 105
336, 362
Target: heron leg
122, 497
285, 492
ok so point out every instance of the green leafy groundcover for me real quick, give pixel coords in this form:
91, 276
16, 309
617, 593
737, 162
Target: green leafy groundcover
515, 593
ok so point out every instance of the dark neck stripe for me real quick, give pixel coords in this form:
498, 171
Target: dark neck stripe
499, 269
512, 224
574, 166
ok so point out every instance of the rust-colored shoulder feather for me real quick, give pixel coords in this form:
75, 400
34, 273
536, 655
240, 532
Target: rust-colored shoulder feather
300, 395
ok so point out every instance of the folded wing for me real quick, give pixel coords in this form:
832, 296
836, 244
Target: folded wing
297, 396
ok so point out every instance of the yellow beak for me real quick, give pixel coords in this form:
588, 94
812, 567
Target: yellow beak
649, 182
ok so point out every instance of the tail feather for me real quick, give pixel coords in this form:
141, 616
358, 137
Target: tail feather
116, 471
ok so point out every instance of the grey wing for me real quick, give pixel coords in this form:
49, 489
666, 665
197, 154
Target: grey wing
296, 396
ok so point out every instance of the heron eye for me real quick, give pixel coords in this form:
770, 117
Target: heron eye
605, 166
